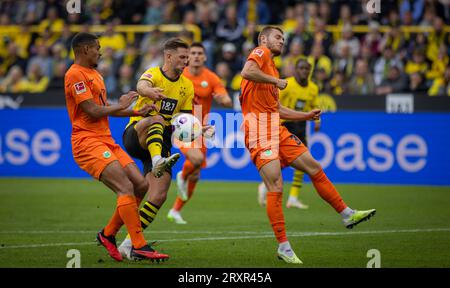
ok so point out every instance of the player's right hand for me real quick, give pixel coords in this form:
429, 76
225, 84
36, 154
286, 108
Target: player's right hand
155, 94
282, 83
126, 99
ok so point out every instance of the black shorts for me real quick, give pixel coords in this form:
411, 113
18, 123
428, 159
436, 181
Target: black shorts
130, 140
298, 128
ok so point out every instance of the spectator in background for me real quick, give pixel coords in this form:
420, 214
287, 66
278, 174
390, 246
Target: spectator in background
320, 61
57, 81
372, 39
288, 61
37, 82
348, 40
394, 39
23, 41
362, 82
337, 84
414, 7
230, 56
417, 82
395, 82
52, 22
154, 12
260, 15
152, 58
325, 12
14, 82
224, 73
113, 40
383, 64
436, 38
289, 22
441, 85
417, 64
321, 79
105, 69
11, 58
344, 62
322, 37
231, 28
439, 64
126, 80
43, 59
301, 35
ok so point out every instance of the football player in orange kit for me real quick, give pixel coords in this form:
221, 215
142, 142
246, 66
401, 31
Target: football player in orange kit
95, 151
273, 147
207, 86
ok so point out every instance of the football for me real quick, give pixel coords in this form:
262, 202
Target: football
186, 127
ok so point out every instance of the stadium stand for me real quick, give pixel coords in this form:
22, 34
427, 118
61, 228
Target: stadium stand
352, 51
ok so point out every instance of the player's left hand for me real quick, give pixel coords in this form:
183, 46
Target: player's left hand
208, 131
147, 108
314, 114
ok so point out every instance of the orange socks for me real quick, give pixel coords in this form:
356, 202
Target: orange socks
128, 211
116, 222
275, 213
327, 191
178, 205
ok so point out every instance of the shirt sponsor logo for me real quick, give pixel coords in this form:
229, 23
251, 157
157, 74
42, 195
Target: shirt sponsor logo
80, 87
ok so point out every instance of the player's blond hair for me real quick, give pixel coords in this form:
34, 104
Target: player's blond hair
266, 32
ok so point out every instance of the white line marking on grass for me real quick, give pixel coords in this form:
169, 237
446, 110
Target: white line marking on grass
258, 236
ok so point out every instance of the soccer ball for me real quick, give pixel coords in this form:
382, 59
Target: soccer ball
186, 127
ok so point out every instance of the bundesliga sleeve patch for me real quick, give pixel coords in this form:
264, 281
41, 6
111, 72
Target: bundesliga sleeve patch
258, 52
80, 87
148, 75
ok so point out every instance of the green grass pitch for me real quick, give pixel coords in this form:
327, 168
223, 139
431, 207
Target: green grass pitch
41, 219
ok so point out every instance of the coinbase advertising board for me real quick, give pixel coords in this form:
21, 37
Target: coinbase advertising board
353, 147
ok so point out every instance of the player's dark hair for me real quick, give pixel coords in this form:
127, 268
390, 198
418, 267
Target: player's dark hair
198, 44
266, 32
82, 38
174, 44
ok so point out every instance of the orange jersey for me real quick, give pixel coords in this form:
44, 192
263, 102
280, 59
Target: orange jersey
80, 84
206, 84
260, 97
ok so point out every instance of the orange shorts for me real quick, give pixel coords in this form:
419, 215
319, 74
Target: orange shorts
203, 149
288, 148
94, 154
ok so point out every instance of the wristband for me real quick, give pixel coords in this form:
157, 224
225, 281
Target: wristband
136, 113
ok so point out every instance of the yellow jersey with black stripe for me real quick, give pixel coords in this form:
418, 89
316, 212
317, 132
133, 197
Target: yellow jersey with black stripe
300, 98
179, 93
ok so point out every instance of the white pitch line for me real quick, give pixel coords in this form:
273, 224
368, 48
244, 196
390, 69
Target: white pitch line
259, 236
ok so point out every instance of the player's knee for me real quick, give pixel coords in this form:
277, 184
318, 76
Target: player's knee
314, 167
157, 119
197, 160
195, 176
141, 188
275, 184
125, 187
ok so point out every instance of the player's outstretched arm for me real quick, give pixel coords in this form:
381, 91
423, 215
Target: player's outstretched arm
289, 114
146, 89
223, 100
252, 72
97, 111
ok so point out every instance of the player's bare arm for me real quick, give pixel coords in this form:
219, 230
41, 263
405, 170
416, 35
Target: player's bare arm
252, 72
146, 89
223, 100
97, 111
289, 114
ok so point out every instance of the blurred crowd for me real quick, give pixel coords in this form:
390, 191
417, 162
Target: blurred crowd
344, 62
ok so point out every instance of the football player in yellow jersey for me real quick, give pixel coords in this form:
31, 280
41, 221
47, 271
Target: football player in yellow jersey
149, 138
300, 94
